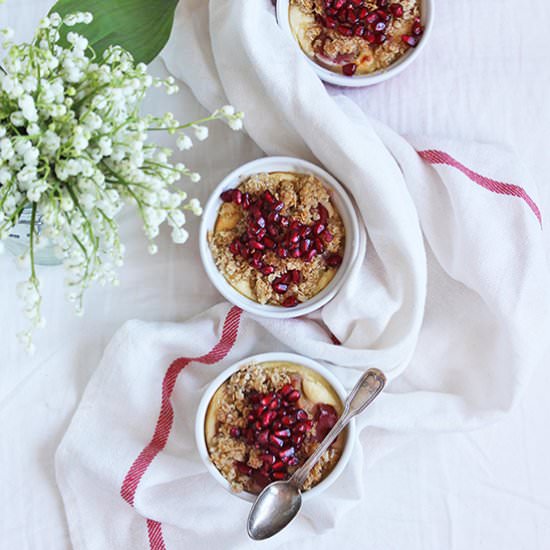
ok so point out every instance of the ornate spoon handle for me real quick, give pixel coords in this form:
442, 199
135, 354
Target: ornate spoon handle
362, 395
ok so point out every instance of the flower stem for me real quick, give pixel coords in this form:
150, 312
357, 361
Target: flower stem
33, 225
188, 125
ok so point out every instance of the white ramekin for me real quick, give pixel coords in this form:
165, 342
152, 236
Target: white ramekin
342, 203
265, 358
428, 10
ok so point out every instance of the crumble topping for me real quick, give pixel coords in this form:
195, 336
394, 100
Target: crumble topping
288, 266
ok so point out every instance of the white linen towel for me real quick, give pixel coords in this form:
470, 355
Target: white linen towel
451, 302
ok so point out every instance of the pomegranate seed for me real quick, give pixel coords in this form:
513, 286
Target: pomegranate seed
269, 197
363, 12
287, 453
260, 222
349, 69
371, 38
269, 243
410, 40
283, 221
278, 476
310, 255
272, 230
275, 404
266, 399
278, 466
284, 433
263, 438
305, 231
417, 29
382, 3
356, 2
282, 252
301, 428
295, 224
267, 270
296, 253
293, 396
344, 30
251, 417
288, 420
296, 276
396, 10
339, 3
327, 236
269, 459
293, 461
334, 260
297, 439
383, 15
279, 288
266, 418
351, 16
286, 278
372, 18
301, 415
246, 201
330, 22
318, 228
294, 236
234, 248
380, 38
254, 397
380, 26
255, 244
235, 432
261, 234
277, 441
291, 301
227, 196
286, 389
359, 30
243, 468
319, 246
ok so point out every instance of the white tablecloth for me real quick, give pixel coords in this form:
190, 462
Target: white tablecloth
485, 76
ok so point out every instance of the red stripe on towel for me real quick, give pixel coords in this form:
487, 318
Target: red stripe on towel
156, 540
440, 157
166, 418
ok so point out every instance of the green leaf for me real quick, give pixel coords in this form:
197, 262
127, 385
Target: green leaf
140, 26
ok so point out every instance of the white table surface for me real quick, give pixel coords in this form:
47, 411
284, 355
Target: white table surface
485, 76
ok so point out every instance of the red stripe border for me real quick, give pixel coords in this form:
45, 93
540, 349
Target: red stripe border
433, 156
166, 419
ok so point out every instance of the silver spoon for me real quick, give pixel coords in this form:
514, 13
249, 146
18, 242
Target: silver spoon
277, 505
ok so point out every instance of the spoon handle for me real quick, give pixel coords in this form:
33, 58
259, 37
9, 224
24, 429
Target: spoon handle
363, 394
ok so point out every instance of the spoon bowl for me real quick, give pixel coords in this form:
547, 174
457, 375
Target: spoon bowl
277, 505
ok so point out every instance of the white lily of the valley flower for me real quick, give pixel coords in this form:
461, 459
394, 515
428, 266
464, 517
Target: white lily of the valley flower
75, 145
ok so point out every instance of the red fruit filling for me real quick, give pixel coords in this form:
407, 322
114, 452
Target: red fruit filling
279, 428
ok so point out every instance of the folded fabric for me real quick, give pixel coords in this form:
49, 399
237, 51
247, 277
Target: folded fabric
449, 301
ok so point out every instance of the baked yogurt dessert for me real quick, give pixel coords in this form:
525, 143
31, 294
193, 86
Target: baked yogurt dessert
356, 37
278, 239
266, 420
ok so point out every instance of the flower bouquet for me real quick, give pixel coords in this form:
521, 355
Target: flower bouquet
75, 148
